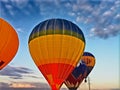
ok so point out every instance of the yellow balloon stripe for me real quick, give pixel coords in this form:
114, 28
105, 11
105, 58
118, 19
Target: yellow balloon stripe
56, 49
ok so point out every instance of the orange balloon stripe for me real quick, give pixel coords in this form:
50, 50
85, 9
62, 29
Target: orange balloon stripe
89, 61
56, 49
52, 73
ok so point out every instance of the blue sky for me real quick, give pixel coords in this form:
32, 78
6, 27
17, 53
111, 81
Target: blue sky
99, 21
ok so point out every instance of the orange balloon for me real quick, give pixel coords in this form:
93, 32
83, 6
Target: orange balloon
8, 43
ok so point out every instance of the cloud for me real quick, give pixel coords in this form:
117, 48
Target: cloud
111, 30
24, 85
20, 30
107, 13
20, 3
117, 17
2, 84
16, 72
15, 7
103, 18
97, 16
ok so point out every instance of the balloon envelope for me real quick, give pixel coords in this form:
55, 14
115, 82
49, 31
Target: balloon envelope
82, 71
75, 78
56, 46
89, 60
8, 43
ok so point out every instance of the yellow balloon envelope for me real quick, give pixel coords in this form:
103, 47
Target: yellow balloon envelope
8, 43
56, 46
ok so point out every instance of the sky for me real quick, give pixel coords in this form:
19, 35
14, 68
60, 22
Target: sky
99, 20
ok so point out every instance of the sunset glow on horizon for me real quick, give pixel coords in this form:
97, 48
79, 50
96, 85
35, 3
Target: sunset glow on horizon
22, 85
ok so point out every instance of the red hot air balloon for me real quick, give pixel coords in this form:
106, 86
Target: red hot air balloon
8, 43
56, 46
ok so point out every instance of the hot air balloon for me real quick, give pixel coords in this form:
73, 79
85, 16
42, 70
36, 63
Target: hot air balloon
89, 60
75, 78
56, 45
81, 72
8, 43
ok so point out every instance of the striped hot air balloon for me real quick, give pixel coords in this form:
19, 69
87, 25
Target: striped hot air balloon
56, 46
89, 60
8, 43
81, 72
76, 77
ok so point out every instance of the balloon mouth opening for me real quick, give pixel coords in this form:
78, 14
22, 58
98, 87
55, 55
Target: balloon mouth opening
55, 87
